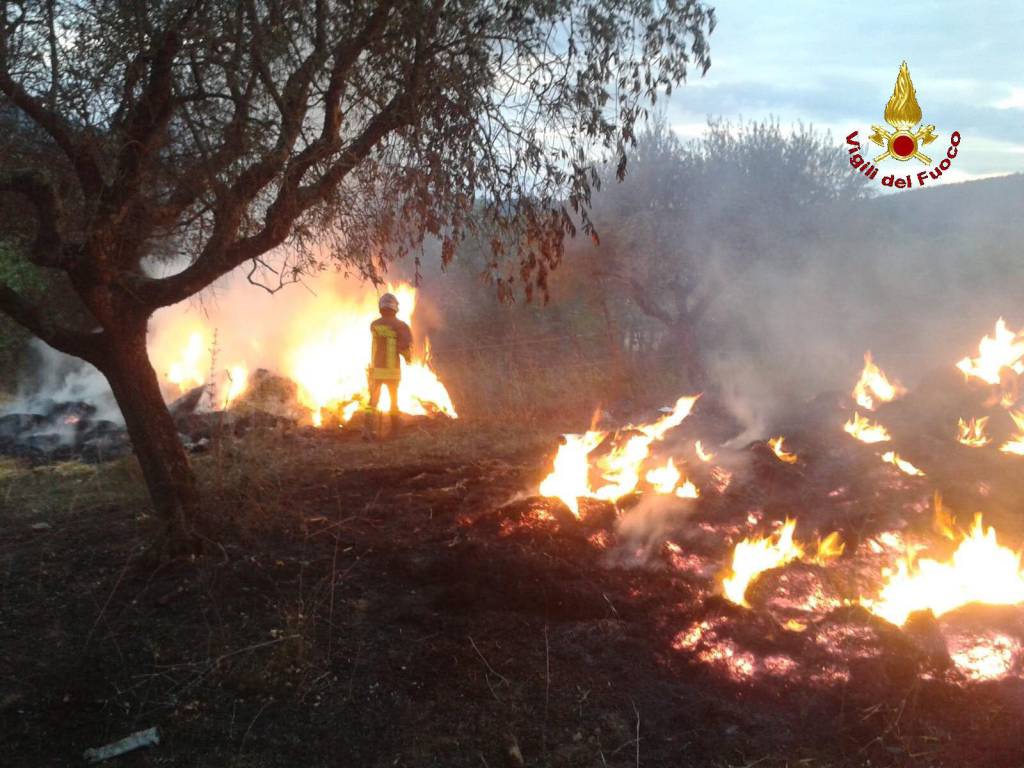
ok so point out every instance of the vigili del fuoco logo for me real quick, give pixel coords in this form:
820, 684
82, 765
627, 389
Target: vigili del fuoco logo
904, 143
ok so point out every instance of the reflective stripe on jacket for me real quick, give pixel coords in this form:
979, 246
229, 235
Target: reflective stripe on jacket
391, 338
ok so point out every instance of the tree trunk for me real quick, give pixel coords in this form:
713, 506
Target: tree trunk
154, 435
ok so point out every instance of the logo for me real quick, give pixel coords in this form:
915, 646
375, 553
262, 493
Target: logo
904, 142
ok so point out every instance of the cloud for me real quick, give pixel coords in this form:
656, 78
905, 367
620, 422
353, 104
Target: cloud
1014, 101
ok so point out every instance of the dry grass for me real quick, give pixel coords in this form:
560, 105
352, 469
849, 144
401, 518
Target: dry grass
50, 493
264, 469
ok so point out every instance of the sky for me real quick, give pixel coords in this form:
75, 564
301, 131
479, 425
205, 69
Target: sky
834, 65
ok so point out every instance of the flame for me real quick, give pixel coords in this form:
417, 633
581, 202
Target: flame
569, 480
776, 445
980, 571
664, 479
702, 454
188, 370
1003, 350
238, 380
875, 386
862, 429
903, 112
902, 464
331, 351
990, 656
972, 433
688, 491
620, 468
751, 557
943, 520
1015, 444
829, 548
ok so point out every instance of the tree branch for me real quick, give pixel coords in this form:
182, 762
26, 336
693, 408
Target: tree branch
47, 249
42, 324
85, 164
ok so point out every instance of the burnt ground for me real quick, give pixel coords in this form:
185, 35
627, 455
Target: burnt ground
402, 604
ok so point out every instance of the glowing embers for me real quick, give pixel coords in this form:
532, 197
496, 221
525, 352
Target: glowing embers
1004, 350
752, 557
709, 646
972, 433
874, 387
980, 570
781, 453
865, 430
985, 655
904, 466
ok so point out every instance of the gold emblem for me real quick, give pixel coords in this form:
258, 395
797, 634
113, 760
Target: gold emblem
903, 113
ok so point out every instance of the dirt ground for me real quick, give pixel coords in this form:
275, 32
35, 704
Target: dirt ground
401, 604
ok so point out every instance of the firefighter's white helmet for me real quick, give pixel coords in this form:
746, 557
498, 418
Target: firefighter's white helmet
388, 301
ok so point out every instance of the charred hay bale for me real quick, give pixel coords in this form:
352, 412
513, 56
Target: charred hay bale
43, 448
879, 656
15, 425
187, 403
270, 393
796, 594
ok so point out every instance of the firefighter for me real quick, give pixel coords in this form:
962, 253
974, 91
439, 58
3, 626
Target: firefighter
391, 339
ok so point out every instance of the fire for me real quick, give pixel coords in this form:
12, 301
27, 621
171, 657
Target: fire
1015, 444
980, 571
972, 433
776, 445
331, 351
688, 491
874, 386
862, 429
569, 480
620, 469
901, 464
664, 479
238, 379
1004, 350
830, 548
188, 371
751, 557
702, 454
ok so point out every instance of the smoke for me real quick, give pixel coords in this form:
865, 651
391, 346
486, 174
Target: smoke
59, 378
917, 281
643, 530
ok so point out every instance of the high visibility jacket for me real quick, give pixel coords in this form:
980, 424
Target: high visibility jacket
391, 339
